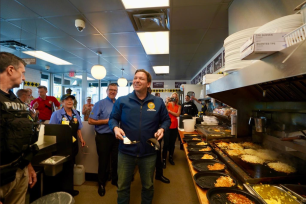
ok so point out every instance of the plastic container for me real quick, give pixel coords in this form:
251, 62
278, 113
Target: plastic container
78, 175
55, 198
189, 125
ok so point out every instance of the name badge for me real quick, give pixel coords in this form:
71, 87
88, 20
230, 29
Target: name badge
65, 122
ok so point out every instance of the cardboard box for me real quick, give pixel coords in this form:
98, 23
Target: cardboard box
263, 37
261, 49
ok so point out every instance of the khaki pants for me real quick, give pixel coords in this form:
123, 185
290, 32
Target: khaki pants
15, 192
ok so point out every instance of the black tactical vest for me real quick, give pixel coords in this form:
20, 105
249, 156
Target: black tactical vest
17, 131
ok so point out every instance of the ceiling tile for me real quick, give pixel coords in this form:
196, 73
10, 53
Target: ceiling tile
93, 41
111, 21
67, 24
131, 50
14, 32
184, 3
123, 39
186, 36
215, 36
221, 19
39, 27
116, 59
136, 58
181, 56
65, 43
84, 53
183, 48
198, 17
10, 9
107, 52
50, 7
159, 58
97, 5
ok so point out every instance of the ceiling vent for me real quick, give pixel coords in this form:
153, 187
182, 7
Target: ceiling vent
12, 44
152, 20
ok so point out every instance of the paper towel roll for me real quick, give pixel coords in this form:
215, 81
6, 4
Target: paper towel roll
41, 135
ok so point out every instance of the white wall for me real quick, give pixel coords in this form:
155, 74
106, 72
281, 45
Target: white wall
32, 75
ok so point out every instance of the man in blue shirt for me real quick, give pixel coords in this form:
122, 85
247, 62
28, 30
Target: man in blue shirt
107, 144
142, 116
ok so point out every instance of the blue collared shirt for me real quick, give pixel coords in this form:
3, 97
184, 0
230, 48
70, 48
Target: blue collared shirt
101, 111
57, 116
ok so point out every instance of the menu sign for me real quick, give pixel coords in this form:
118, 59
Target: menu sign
178, 84
218, 62
210, 68
159, 85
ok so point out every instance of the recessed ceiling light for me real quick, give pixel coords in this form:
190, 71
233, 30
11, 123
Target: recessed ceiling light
155, 42
161, 69
130, 4
80, 77
47, 57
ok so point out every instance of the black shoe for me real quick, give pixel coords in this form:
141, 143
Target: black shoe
115, 183
171, 161
162, 179
101, 190
74, 193
164, 163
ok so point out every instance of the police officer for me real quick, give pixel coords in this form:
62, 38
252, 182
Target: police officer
17, 134
69, 116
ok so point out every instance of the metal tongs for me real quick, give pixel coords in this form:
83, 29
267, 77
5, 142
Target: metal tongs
127, 141
154, 143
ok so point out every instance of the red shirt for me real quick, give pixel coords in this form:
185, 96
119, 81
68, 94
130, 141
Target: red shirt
174, 123
45, 106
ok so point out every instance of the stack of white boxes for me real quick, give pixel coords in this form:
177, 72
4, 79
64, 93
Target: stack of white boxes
261, 45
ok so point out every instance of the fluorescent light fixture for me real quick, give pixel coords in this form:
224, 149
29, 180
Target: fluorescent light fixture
161, 69
80, 77
155, 43
47, 57
130, 4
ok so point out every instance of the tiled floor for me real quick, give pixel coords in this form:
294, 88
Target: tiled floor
180, 190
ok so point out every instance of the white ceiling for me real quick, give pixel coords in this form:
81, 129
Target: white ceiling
197, 31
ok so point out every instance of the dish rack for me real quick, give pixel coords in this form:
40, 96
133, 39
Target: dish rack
296, 36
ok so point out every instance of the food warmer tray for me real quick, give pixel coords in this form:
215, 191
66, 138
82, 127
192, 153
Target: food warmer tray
214, 132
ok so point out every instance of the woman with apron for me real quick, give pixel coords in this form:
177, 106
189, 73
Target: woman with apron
68, 116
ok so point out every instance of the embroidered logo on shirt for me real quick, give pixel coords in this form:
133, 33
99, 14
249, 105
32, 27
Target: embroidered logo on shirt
91, 113
50, 102
151, 105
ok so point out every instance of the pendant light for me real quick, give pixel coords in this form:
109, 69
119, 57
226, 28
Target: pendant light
122, 82
98, 71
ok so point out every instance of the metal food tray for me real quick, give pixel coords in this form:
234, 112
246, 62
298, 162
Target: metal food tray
58, 160
250, 188
299, 197
204, 129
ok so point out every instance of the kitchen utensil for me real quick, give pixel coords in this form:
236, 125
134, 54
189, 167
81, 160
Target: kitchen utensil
295, 137
127, 141
154, 143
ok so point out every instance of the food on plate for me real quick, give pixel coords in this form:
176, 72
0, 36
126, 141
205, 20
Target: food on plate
250, 145
252, 159
207, 156
227, 130
196, 139
266, 156
282, 167
237, 198
201, 143
205, 149
250, 151
234, 146
274, 195
235, 152
216, 166
222, 144
224, 181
